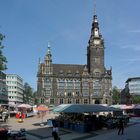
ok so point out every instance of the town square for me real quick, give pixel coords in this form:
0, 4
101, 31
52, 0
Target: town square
69, 70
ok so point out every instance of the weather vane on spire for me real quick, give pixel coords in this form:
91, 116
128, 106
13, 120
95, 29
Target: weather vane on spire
94, 7
49, 48
39, 61
49, 45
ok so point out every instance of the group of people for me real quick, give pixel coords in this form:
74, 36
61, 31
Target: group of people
55, 130
121, 122
4, 114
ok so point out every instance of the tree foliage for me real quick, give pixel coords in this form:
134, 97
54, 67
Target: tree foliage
135, 99
115, 95
35, 98
28, 93
3, 59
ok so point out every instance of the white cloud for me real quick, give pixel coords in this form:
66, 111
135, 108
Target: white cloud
132, 60
133, 47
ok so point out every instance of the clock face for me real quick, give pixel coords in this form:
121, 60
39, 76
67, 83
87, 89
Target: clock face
96, 41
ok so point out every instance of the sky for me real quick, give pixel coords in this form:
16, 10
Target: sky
66, 24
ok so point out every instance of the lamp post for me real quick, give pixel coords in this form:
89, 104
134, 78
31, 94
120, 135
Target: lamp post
89, 90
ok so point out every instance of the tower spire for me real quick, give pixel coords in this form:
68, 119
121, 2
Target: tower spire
39, 61
95, 25
95, 50
48, 55
94, 14
94, 8
49, 49
49, 45
39, 65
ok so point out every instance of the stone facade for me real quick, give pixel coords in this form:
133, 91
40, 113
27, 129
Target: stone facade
77, 84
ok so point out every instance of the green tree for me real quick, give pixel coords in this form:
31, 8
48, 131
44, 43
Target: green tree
115, 95
135, 99
28, 93
3, 59
35, 98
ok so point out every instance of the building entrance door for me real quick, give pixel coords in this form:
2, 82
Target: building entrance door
97, 101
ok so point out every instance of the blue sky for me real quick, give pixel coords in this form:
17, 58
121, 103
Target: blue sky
30, 24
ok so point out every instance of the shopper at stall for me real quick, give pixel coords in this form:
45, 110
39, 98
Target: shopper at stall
55, 132
121, 126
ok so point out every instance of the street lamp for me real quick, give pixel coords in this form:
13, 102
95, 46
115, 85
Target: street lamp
73, 93
65, 94
89, 90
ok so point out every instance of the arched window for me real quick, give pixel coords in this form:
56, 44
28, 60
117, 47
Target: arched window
97, 101
106, 101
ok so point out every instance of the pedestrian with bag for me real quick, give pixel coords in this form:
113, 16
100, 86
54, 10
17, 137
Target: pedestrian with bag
55, 132
121, 126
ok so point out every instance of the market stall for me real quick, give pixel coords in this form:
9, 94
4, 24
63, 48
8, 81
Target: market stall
84, 118
24, 110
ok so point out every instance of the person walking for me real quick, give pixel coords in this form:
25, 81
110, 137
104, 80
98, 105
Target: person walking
55, 132
121, 126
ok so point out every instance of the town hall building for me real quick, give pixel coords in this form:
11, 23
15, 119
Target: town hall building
76, 84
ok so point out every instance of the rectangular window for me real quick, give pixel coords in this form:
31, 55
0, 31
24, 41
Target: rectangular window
77, 101
61, 101
85, 101
69, 101
51, 101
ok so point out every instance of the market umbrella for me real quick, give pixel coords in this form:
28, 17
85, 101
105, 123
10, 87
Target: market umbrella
24, 106
128, 106
43, 108
137, 106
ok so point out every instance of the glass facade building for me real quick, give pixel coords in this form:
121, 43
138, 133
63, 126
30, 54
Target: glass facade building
134, 85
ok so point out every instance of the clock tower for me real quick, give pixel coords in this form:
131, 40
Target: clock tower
95, 50
77, 84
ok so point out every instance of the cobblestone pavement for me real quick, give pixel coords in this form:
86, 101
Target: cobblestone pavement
37, 132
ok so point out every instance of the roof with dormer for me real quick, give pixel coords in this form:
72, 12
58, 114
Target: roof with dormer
68, 69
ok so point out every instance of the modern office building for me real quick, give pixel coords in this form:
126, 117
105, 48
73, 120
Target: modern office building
15, 88
77, 84
134, 85
132, 88
3, 89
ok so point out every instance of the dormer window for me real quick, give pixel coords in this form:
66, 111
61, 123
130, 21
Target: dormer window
97, 74
69, 73
61, 71
77, 73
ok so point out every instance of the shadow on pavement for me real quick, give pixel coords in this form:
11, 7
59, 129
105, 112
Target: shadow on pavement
45, 132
